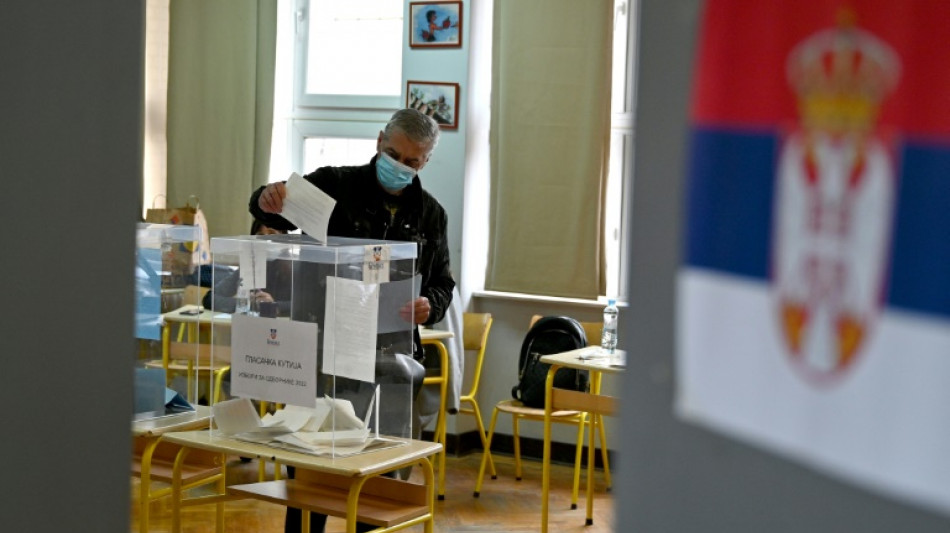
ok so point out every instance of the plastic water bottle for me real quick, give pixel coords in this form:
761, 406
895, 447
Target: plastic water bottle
242, 303
608, 337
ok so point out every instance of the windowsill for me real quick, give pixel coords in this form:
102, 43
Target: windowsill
518, 296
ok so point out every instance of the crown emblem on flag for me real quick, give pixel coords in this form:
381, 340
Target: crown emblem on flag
841, 76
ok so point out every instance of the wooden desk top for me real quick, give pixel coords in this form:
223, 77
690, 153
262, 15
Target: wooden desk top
428, 334
372, 462
589, 358
153, 427
206, 316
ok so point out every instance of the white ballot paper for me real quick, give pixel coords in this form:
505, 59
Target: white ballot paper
343, 428
349, 340
307, 207
238, 417
274, 359
329, 426
235, 416
393, 296
253, 261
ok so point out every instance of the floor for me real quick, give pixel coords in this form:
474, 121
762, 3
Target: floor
503, 505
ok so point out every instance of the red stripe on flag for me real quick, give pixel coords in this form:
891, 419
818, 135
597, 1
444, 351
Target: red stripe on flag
741, 79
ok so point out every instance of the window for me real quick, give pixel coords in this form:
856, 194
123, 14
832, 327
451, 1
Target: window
349, 54
353, 40
338, 79
341, 63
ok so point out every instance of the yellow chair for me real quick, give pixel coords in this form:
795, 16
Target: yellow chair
475, 328
475, 337
519, 412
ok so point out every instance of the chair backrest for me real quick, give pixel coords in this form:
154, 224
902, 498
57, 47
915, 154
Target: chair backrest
475, 328
593, 331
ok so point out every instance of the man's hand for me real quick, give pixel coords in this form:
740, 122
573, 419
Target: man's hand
417, 309
258, 296
272, 197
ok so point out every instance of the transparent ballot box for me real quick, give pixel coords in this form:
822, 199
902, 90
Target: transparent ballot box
319, 341
167, 364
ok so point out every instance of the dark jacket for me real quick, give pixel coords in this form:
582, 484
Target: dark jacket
363, 210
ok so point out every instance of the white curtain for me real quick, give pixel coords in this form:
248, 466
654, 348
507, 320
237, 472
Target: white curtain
550, 146
220, 105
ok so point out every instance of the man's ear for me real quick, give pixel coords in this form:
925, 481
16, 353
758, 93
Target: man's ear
379, 141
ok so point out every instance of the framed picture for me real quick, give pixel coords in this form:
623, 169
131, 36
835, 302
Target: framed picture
438, 100
435, 24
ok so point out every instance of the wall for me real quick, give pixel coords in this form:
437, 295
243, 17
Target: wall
71, 160
674, 476
444, 175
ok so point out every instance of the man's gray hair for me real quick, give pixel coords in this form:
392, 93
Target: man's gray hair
418, 126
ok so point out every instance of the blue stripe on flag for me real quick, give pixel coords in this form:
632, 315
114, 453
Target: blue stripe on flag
729, 202
920, 267
730, 189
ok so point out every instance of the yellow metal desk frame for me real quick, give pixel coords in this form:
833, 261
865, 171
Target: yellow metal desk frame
596, 405
148, 434
349, 487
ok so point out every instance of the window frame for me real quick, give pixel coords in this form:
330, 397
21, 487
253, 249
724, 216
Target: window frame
622, 127
301, 130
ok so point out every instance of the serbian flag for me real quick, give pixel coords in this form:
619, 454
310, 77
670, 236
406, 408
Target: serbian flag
814, 294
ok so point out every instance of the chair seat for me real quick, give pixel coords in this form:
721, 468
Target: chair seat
515, 407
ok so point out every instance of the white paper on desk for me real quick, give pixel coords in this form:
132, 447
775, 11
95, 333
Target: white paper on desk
591, 352
253, 271
322, 446
393, 296
349, 340
343, 415
338, 449
318, 415
290, 419
235, 416
307, 207
346, 437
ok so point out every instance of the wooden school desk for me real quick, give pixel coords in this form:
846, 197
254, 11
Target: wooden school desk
348, 487
193, 341
595, 405
147, 435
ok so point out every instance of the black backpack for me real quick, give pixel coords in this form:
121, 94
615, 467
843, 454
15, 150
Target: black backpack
550, 334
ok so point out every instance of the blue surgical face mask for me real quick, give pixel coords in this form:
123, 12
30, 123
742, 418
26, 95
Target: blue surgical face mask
392, 174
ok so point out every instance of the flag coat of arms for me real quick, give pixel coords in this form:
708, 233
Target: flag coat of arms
814, 295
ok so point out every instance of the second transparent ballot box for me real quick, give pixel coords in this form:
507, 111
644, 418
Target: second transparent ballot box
319, 341
167, 377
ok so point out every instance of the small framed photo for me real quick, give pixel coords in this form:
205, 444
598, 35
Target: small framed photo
435, 24
438, 100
